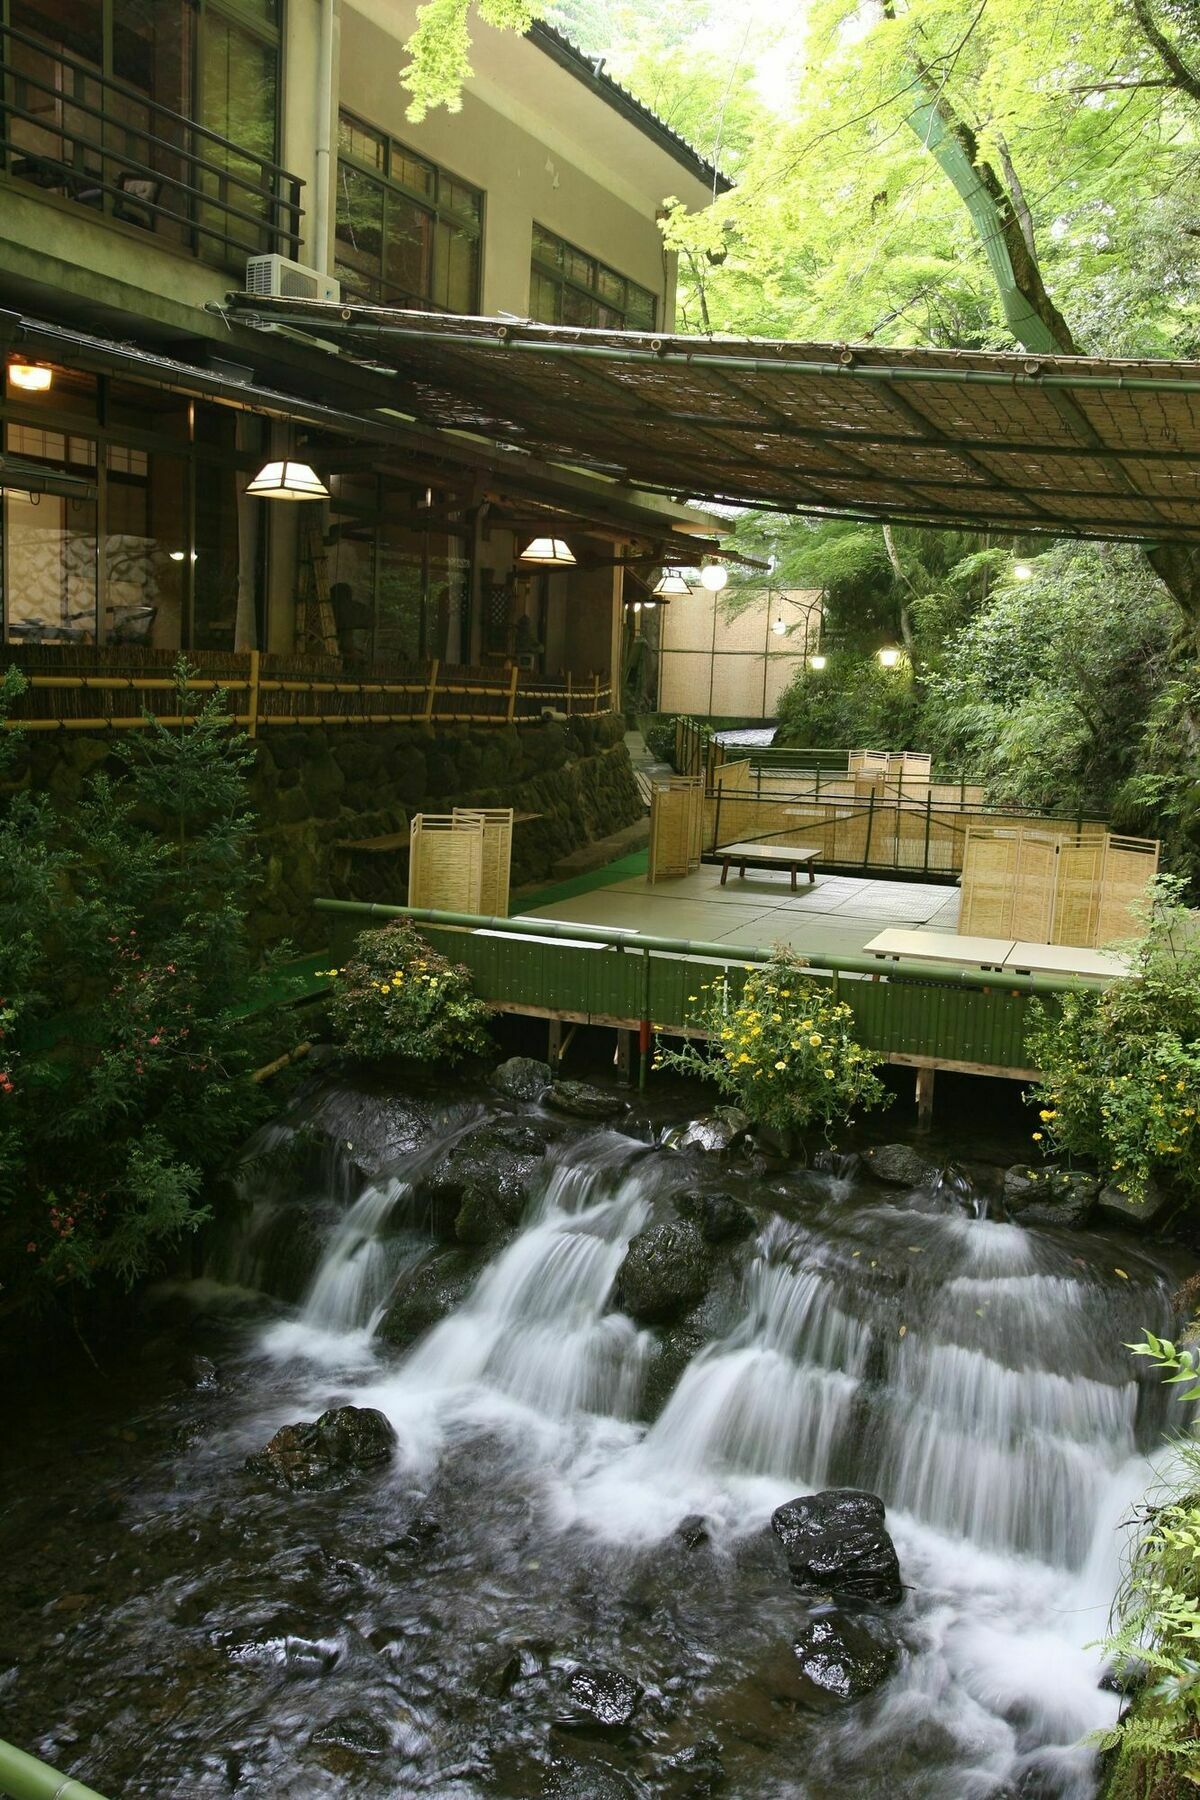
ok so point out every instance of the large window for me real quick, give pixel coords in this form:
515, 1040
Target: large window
568, 287
408, 233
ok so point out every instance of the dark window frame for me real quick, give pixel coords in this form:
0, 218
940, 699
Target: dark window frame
435, 204
556, 272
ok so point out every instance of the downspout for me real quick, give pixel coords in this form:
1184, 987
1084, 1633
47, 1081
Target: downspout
323, 157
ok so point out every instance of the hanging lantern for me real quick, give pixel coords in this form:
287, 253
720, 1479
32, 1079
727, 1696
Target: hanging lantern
288, 481
714, 576
548, 553
670, 582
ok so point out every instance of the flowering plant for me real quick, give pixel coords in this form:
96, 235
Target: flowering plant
783, 1049
1121, 1068
397, 997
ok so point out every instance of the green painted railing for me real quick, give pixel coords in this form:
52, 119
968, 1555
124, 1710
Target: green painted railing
547, 965
23, 1777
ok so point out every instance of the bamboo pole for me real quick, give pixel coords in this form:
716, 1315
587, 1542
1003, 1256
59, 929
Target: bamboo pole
252, 727
512, 694
431, 691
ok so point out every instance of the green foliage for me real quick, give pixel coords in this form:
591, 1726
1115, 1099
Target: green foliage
1121, 1069
782, 1049
440, 48
852, 703
124, 968
397, 997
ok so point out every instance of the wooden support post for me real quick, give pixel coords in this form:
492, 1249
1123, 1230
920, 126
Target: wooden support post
624, 1057
595, 693
925, 1080
560, 1038
252, 706
512, 694
568, 693
431, 690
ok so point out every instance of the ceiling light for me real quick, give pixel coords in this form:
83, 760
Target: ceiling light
889, 658
778, 627
649, 605
670, 582
288, 481
1022, 572
550, 552
35, 378
816, 662
714, 576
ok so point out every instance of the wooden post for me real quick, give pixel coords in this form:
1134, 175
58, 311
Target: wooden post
252, 707
431, 690
513, 679
568, 693
925, 1079
624, 1057
595, 693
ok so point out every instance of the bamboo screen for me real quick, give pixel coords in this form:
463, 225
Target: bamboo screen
1129, 865
445, 864
676, 827
497, 855
1038, 886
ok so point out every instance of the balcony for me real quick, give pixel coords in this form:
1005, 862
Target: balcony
70, 131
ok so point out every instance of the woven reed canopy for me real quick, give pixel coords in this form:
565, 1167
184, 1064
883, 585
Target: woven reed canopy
1020, 443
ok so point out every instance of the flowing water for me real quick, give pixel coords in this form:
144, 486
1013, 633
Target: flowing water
171, 1628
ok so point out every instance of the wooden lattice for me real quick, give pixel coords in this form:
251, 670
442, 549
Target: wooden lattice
497, 855
445, 865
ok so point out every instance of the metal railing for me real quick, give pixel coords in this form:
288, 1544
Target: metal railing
23, 1777
68, 129
98, 691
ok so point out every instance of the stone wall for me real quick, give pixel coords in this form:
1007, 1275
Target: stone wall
316, 791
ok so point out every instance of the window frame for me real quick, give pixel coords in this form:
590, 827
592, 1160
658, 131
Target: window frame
434, 205
557, 273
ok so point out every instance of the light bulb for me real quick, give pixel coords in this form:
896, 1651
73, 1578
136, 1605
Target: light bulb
889, 658
778, 627
1022, 572
714, 577
816, 662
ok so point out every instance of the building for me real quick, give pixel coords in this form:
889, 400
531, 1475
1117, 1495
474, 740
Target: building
148, 154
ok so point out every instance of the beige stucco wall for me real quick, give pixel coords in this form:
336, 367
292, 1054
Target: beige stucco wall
714, 665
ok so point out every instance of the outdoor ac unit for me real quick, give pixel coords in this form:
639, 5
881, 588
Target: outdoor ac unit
279, 278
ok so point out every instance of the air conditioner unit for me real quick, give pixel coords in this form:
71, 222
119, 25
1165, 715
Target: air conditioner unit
279, 278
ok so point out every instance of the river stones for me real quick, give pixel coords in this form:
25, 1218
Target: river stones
424, 1297
1115, 1208
1049, 1196
720, 1217
715, 1132
326, 1452
899, 1165
354, 1731
840, 1657
477, 1194
837, 1545
665, 1272
580, 1100
522, 1078
599, 1701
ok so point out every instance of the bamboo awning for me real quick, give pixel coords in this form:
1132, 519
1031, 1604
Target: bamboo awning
1071, 445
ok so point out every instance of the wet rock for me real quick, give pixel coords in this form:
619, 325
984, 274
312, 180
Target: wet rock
477, 1194
899, 1165
839, 1658
717, 1131
201, 1373
580, 1100
692, 1773
522, 1078
425, 1297
693, 1531
1050, 1196
326, 1452
775, 1144
844, 1165
275, 1646
354, 1731
721, 1217
665, 1272
837, 1544
601, 1701
1115, 1208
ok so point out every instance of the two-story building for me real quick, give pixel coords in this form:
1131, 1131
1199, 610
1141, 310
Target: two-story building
154, 159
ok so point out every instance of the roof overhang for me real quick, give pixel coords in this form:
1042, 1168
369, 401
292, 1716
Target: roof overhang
1007, 442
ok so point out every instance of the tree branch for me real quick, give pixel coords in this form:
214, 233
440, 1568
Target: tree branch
1183, 77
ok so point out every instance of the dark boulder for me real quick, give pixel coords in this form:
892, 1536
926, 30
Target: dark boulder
841, 1657
837, 1545
423, 1298
1115, 1208
720, 1130
477, 1194
1050, 1196
693, 1531
720, 1217
522, 1078
665, 1272
599, 1701
326, 1452
899, 1165
580, 1100
354, 1731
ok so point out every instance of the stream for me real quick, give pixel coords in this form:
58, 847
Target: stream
171, 1626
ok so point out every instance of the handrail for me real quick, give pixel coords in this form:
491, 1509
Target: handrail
650, 944
23, 1777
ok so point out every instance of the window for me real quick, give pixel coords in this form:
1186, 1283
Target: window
408, 234
567, 287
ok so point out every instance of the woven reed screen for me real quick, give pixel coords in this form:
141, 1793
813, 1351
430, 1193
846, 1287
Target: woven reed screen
497, 855
445, 865
676, 827
1042, 887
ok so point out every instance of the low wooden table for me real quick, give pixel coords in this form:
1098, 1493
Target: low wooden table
1064, 959
940, 946
769, 856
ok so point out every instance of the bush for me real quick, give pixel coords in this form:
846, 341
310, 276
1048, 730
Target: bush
397, 997
782, 1050
1121, 1069
126, 1045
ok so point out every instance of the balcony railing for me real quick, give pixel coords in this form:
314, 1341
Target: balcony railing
68, 130
114, 690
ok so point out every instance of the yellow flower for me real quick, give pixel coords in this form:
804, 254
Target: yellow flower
397, 975
386, 988
693, 996
806, 1024
743, 1058
433, 981
1046, 1117
781, 1065
1037, 1137
829, 1074
815, 1039
786, 993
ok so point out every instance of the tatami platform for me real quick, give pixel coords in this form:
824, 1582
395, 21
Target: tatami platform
836, 913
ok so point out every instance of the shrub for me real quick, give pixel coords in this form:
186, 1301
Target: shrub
1121, 1068
783, 1049
397, 997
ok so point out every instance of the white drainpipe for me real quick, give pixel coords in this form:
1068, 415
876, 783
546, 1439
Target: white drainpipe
322, 189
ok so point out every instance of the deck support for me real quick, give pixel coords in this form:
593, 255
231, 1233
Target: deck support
925, 1080
559, 1042
624, 1057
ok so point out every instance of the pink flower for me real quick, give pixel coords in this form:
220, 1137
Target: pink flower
156, 1039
